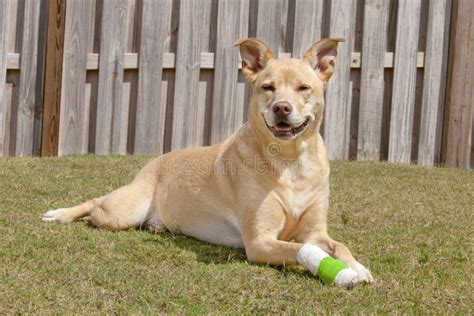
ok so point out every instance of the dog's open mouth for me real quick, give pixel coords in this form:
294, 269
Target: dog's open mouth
285, 130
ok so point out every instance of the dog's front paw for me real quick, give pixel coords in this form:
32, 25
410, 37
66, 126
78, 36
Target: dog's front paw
363, 275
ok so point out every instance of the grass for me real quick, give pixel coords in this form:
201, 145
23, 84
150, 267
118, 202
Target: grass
412, 226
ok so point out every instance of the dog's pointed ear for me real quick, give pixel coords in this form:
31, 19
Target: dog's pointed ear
255, 55
322, 57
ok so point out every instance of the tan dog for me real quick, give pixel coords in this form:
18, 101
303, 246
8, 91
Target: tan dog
265, 188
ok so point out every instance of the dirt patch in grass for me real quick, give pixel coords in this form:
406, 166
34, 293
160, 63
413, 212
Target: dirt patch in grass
412, 226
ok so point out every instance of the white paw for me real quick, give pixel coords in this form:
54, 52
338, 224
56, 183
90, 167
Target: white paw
346, 278
53, 215
363, 275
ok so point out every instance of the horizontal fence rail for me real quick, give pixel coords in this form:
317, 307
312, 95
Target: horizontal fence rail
150, 76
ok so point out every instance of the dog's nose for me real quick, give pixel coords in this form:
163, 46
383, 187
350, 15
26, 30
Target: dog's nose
282, 108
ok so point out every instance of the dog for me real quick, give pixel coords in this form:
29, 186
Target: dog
265, 188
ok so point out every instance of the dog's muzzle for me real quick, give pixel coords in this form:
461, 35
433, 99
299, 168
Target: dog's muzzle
285, 130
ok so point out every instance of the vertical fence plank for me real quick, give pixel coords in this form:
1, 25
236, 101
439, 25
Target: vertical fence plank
188, 130
434, 82
29, 98
151, 113
269, 23
52, 83
4, 21
355, 79
307, 25
460, 92
109, 96
227, 116
372, 80
404, 81
71, 123
337, 109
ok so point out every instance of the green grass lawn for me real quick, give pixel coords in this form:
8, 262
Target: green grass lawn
412, 226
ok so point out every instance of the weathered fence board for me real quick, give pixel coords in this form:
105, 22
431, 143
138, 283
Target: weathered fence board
308, 25
151, 112
404, 82
145, 77
434, 83
4, 23
269, 19
460, 101
338, 111
71, 123
227, 113
109, 97
372, 80
188, 124
30, 94
52, 85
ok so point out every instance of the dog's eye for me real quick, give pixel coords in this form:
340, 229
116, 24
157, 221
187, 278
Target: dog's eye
268, 87
304, 87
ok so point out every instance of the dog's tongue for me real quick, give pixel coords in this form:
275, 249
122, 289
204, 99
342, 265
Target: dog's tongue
283, 127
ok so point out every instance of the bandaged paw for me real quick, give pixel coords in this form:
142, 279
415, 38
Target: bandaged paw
328, 269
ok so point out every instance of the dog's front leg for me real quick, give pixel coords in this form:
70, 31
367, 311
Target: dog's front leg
340, 251
313, 230
260, 231
267, 249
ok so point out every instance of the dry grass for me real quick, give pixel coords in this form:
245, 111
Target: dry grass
412, 226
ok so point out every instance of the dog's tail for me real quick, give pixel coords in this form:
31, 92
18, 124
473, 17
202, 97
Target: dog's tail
66, 215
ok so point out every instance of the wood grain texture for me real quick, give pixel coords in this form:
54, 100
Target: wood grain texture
30, 93
460, 92
372, 80
151, 112
307, 25
52, 82
269, 18
10, 98
227, 114
338, 108
134, 110
188, 117
71, 123
109, 97
404, 82
207, 60
4, 32
434, 83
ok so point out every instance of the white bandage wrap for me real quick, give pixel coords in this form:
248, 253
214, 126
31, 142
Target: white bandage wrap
310, 256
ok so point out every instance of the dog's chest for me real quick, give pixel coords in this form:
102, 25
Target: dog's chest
300, 185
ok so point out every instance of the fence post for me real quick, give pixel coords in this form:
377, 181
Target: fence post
460, 96
53, 77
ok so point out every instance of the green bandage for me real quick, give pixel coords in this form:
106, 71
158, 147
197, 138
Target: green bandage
329, 268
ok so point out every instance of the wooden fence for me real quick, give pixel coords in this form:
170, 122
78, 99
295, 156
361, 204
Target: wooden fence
149, 76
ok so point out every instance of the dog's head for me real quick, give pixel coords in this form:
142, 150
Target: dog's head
288, 94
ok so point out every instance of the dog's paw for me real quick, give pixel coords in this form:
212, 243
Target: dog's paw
363, 275
53, 215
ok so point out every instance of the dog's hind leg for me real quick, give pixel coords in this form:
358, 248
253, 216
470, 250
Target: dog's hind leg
154, 223
124, 208
66, 215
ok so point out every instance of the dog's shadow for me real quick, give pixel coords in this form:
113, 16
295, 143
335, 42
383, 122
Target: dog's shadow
205, 252
210, 253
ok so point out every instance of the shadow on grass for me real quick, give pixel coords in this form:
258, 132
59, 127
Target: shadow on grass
208, 253
215, 254
205, 252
